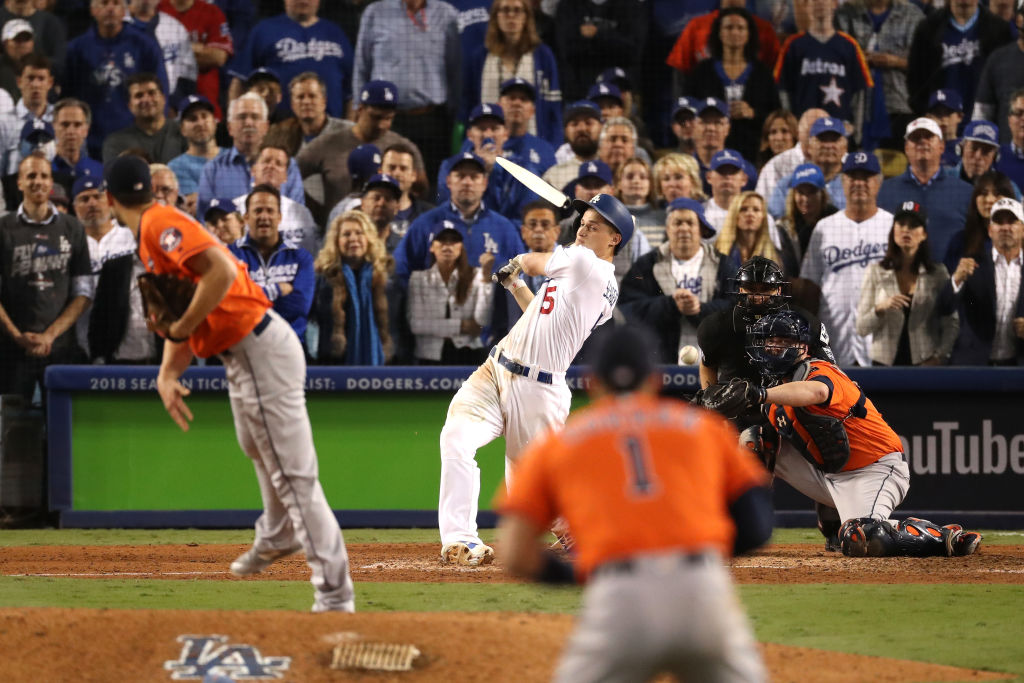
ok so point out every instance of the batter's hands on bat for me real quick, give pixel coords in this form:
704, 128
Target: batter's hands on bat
964, 270
172, 394
686, 301
893, 303
508, 273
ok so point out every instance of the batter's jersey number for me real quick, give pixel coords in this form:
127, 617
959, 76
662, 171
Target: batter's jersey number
642, 482
547, 304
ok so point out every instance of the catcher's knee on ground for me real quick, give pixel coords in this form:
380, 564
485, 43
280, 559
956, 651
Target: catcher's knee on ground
912, 537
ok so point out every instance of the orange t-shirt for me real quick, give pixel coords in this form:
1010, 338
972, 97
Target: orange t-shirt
636, 474
870, 436
167, 239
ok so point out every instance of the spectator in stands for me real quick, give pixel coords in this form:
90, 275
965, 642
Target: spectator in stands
672, 288
484, 230
36, 320
582, 132
166, 190
363, 163
733, 74
634, 187
617, 76
351, 306
778, 135
517, 100
693, 46
947, 109
173, 39
683, 122
297, 41
727, 178
987, 294
512, 49
151, 131
328, 154
211, 42
399, 162
841, 248
1002, 75
449, 305
782, 165
241, 17
746, 231
949, 49
973, 239
198, 128
50, 34
977, 150
826, 146
99, 63
884, 30
617, 142
71, 121
224, 220
295, 222
379, 201
35, 82
594, 36
608, 99
265, 82
308, 97
112, 329
899, 299
677, 176
229, 174
807, 202
944, 197
1011, 155
710, 132
36, 135
18, 42
282, 268
427, 69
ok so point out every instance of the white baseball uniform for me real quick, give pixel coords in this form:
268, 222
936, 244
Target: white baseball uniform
520, 390
838, 256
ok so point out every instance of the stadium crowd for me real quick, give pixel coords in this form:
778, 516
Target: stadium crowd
345, 151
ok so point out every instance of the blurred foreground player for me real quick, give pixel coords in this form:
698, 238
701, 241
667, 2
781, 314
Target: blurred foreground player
657, 493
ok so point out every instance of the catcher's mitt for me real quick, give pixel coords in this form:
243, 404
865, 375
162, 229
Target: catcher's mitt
732, 400
165, 298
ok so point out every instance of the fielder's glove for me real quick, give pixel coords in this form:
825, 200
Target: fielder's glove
733, 399
165, 298
508, 274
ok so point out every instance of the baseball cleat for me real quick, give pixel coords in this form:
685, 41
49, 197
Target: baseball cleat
960, 543
832, 544
251, 562
467, 554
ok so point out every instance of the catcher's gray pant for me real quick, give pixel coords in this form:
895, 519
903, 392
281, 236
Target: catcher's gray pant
871, 491
492, 402
666, 613
266, 374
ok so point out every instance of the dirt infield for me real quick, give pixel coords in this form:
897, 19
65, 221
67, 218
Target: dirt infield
138, 645
419, 562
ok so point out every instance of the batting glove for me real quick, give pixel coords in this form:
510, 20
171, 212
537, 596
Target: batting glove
508, 274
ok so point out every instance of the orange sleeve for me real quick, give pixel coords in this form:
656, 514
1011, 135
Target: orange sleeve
861, 60
531, 495
675, 57
777, 71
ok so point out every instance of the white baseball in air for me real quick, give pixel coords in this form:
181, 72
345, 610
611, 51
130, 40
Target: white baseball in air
688, 355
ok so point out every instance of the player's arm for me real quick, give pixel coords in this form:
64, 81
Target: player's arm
216, 272
208, 56
525, 557
534, 262
176, 359
708, 376
797, 394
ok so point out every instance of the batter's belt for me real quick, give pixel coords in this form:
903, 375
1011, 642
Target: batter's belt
534, 373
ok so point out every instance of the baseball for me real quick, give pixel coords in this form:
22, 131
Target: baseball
688, 355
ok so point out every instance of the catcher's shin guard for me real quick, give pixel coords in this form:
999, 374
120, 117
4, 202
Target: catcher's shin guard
913, 537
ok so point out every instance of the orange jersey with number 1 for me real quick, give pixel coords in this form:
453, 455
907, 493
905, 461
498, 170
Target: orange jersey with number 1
636, 474
167, 239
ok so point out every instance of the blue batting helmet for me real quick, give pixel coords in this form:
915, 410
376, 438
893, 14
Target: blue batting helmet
612, 210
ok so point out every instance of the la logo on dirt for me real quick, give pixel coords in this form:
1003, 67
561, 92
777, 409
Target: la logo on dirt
210, 656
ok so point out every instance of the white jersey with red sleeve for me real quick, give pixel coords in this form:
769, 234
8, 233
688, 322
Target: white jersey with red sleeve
578, 295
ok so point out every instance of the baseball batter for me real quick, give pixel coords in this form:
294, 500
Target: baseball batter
520, 390
657, 493
230, 316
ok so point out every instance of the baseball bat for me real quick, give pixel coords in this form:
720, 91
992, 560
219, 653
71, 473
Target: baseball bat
535, 183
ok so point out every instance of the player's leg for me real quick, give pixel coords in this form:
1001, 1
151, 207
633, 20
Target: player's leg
911, 537
269, 373
796, 471
474, 420
871, 491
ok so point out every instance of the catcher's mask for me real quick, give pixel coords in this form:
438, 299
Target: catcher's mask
777, 342
760, 288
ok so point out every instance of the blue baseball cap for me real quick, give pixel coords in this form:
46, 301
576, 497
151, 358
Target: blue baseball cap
683, 105
702, 104
595, 169
262, 73
982, 131
751, 172
947, 97
828, 124
37, 131
582, 108
486, 111
617, 76
807, 174
382, 94
518, 83
187, 103
599, 90
86, 182
363, 161
467, 157
861, 161
707, 230
222, 205
385, 181
727, 157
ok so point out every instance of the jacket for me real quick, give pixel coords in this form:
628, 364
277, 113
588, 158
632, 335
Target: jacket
931, 333
331, 307
288, 263
645, 297
434, 314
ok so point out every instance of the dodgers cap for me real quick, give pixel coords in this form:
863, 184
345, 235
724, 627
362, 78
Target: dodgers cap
382, 94
518, 83
861, 161
707, 230
807, 174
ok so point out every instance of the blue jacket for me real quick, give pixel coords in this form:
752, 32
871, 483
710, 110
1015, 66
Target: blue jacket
504, 194
532, 149
1011, 164
545, 80
945, 199
489, 232
288, 263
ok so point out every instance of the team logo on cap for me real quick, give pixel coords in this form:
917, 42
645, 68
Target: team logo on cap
366, 95
805, 173
910, 206
170, 239
388, 95
860, 158
986, 130
591, 167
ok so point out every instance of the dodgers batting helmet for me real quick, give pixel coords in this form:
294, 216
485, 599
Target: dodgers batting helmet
775, 359
612, 210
